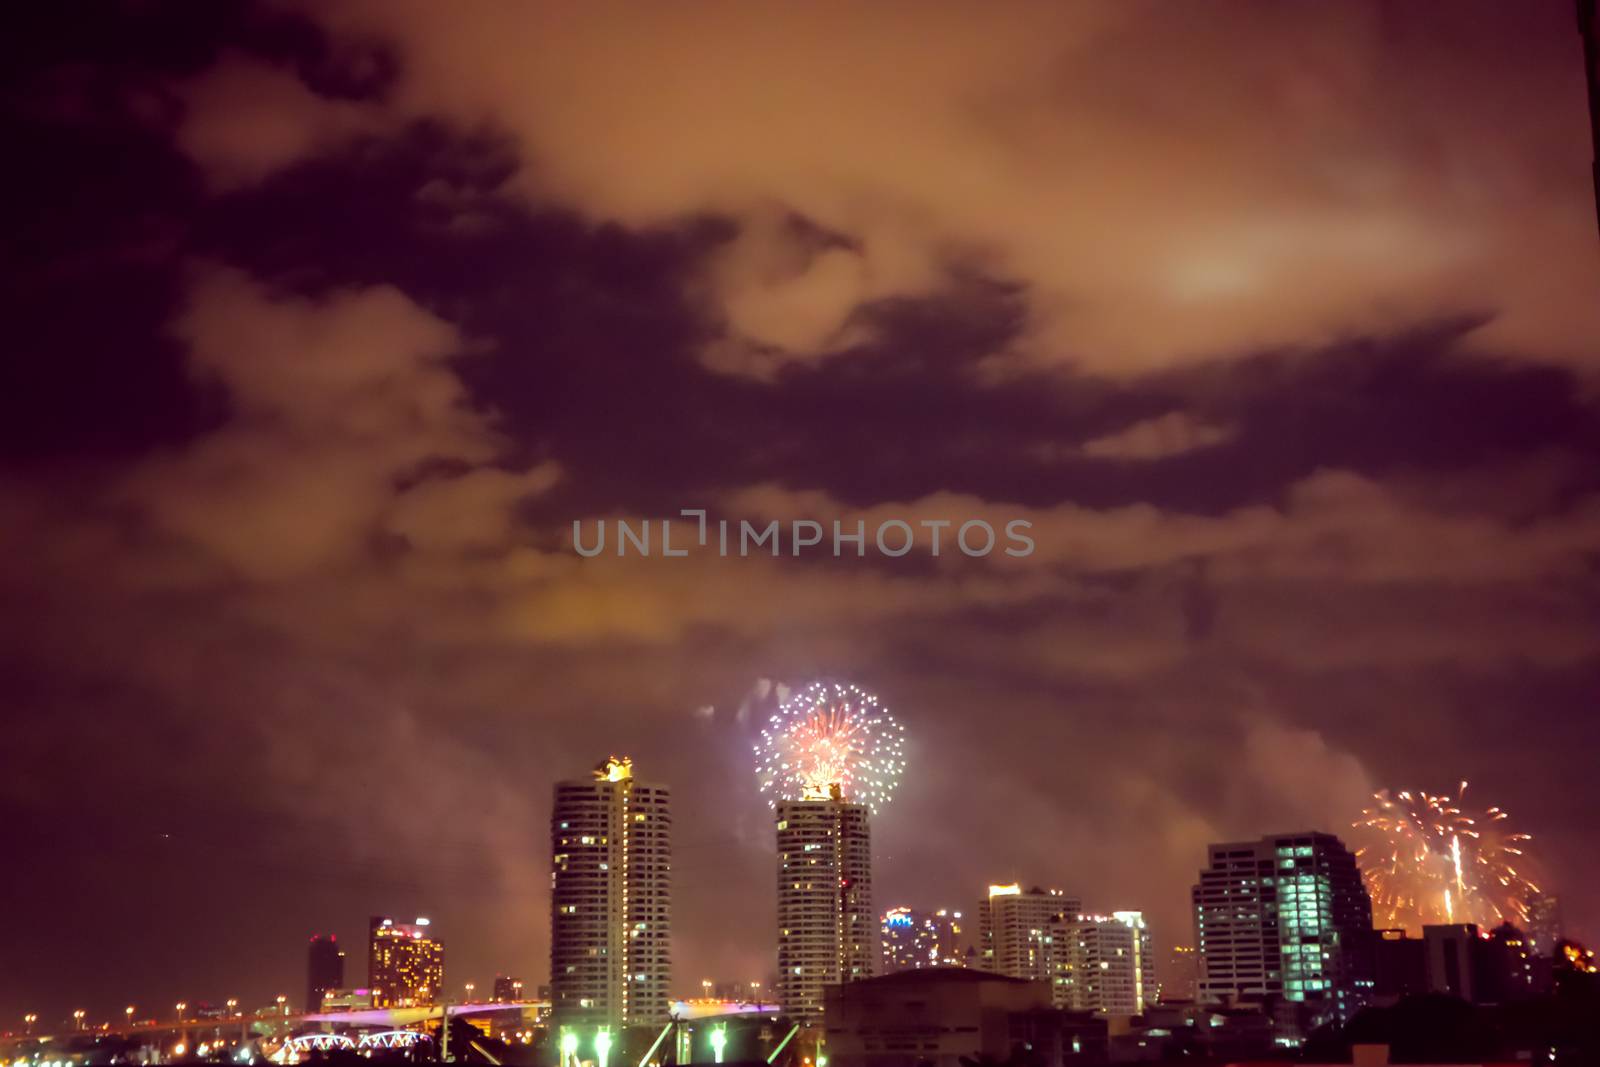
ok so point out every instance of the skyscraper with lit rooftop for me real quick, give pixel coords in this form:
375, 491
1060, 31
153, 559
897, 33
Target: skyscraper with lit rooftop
1102, 963
610, 900
827, 931
1016, 928
405, 963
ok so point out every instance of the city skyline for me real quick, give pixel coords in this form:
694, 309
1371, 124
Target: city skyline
1004, 945
1284, 931
1183, 418
1015, 924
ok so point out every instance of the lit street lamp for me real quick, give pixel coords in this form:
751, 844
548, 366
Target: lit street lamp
283, 1004
128, 1012
470, 988
30, 1019
183, 1006
77, 1019
233, 1006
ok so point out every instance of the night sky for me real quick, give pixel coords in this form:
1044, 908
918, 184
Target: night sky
1281, 324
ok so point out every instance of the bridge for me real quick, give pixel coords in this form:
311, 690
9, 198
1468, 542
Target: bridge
399, 1017
717, 1008
240, 1027
305, 1044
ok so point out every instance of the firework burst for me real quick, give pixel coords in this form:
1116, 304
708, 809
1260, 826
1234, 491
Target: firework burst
1431, 860
827, 735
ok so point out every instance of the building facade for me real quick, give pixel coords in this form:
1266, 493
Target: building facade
1526, 975
1102, 963
324, 969
1396, 962
1280, 921
1481, 966
347, 1000
1182, 978
1016, 928
405, 963
610, 900
915, 939
827, 930
1546, 925
950, 1017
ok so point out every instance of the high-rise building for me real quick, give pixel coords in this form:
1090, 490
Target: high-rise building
1519, 964
611, 900
1016, 929
1456, 963
507, 990
1102, 963
1545, 924
914, 939
1278, 920
1396, 962
1183, 974
324, 969
827, 931
1479, 966
405, 963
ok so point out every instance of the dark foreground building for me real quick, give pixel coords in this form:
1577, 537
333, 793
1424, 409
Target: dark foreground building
935, 1017
324, 969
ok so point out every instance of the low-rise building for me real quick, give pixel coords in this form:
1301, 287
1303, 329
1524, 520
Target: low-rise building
935, 1017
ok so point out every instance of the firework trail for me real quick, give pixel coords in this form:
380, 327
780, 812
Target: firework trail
831, 734
1430, 860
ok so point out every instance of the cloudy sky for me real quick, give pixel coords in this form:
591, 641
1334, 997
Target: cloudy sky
1280, 323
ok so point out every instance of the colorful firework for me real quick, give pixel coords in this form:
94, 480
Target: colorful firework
1432, 861
828, 736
